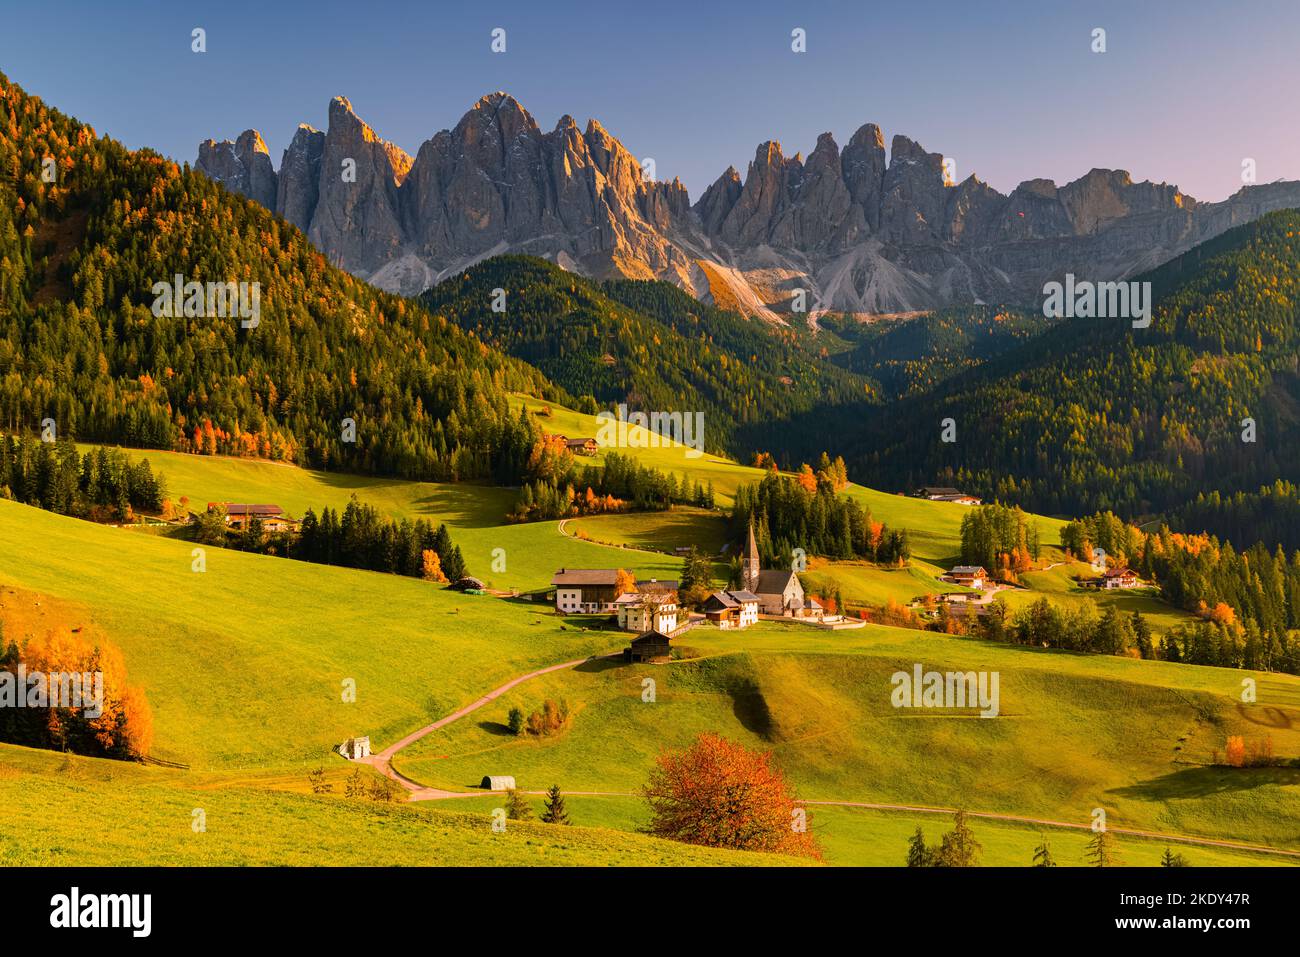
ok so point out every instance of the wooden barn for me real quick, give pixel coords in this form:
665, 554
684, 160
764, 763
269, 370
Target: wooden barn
653, 646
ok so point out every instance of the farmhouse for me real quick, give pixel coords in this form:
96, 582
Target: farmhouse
972, 576
239, 514
582, 446
1120, 578
779, 592
943, 493
654, 610
595, 591
732, 609
589, 591
653, 646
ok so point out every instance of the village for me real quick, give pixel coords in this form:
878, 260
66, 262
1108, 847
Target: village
651, 609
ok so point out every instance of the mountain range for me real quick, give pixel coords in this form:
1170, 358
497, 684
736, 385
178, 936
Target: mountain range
861, 234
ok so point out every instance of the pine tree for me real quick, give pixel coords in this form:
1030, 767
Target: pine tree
959, 847
918, 855
555, 812
1170, 859
1043, 856
1101, 850
516, 721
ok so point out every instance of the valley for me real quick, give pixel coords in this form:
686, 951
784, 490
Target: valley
390, 505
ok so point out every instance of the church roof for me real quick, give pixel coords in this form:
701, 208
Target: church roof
773, 581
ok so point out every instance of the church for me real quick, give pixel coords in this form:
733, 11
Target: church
779, 592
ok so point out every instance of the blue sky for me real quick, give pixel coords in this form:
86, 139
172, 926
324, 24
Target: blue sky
1010, 90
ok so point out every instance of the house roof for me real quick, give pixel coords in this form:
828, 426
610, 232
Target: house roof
577, 442
730, 599
773, 581
238, 508
585, 576
652, 638
646, 598
1120, 573
968, 570
938, 490
657, 585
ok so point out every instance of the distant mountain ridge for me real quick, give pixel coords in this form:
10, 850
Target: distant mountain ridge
860, 234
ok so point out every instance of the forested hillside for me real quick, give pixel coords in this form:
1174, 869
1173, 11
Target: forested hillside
1098, 415
915, 355
648, 344
79, 342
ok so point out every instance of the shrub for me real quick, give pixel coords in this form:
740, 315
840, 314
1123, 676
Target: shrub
516, 721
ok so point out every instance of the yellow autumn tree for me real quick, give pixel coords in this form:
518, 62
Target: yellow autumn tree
624, 582
432, 566
125, 724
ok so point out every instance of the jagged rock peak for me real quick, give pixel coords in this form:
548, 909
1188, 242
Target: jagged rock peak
243, 166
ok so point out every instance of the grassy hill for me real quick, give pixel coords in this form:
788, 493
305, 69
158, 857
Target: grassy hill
475, 512
1074, 733
243, 663
132, 815
869, 837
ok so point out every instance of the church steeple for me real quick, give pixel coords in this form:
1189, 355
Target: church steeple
749, 566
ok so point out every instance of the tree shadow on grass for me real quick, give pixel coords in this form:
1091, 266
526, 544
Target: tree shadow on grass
598, 665
750, 707
1202, 782
1268, 716
497, 728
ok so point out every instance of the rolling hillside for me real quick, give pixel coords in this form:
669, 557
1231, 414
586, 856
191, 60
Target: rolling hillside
254, 690
1074, 732
144, 816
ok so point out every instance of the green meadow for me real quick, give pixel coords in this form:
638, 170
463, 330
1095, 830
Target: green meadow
66, 811
475, 514
246, 664
1074, 732
868, 837
1059, 587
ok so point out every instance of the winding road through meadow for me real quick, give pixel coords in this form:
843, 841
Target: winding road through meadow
383, 762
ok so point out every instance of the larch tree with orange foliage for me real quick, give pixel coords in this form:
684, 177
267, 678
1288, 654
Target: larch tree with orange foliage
124, 725
431, 566
806, 478
624, 582
717, 793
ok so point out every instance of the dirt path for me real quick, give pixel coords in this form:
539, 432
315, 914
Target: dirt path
1046, 822
383, 762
